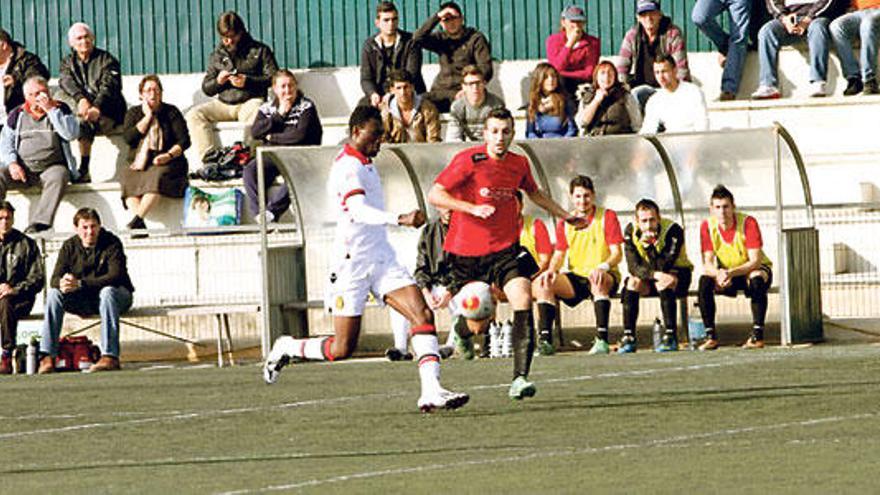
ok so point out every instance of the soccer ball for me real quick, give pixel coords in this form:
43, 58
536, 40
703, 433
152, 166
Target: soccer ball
474, 301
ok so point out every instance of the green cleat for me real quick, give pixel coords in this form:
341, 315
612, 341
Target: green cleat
545, 348
521, 388
464, 346
599, 347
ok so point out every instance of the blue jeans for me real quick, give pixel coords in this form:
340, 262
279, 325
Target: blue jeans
642, 94
277, 199
844, 29
733, 44
109, 303
773, 35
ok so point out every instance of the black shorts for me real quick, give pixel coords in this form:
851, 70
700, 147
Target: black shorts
581, 286
495, 269
527, 264
741, 283
681, 288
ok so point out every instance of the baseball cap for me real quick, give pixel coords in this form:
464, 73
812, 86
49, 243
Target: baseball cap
647, 6
574, 13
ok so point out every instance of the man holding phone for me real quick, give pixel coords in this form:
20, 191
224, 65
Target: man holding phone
794, 20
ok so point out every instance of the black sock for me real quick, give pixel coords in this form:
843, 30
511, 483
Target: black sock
84, 164
630, 301
667, 307
706, 301
523, 335
546, 318
602, 308
758, 293
758, 332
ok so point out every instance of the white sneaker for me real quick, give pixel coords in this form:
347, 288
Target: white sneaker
274, 363
443, 399
766, 93
817, 89
267, 217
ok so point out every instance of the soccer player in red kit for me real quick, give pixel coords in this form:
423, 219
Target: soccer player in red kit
479, 186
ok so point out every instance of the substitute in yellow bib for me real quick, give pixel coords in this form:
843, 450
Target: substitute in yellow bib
658, 266
588, 258
733, 261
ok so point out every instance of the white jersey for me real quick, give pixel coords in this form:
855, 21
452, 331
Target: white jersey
353, 173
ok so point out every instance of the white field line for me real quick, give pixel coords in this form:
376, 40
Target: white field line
677, 440
182, 416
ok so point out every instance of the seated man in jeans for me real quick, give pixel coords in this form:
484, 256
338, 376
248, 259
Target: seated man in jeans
90, 278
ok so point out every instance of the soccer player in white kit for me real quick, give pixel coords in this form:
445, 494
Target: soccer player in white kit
366, 263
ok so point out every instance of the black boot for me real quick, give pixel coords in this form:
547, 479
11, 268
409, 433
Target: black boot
853, 86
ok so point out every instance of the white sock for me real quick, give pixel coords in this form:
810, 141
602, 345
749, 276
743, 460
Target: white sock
427, 349
311, 349
400, 329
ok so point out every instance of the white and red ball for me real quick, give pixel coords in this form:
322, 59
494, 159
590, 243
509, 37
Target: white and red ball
474, 301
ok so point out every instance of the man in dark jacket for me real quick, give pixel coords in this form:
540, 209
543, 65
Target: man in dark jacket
239, 74
457, 46
91, 83
388, 50
795, 20
17, 65
21, 278
90, 277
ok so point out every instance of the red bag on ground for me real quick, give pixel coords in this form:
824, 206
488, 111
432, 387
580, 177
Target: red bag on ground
76, 354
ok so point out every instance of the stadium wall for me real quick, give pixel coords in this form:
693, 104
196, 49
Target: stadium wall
176, 36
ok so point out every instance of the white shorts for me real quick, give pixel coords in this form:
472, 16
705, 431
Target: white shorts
352, 281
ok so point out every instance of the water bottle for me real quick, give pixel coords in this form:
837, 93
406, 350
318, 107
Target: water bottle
657, 333
494, 340
506, 339
31, 365
696, 329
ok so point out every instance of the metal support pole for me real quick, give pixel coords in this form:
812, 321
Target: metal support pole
265, 332
785, 316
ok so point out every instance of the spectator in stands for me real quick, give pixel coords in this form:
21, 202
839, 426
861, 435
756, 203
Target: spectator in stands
862, 23
409, 118
794, 20
678, 106
35, 150
467, 116
658, 266
573, 52
17, 65
456, 46
653, 35
733, 260
731, 46
90, 278
589, 256
239, 73
91, 82
607, 107
390, 49
550, 114
20, 281
289, 119
157, 136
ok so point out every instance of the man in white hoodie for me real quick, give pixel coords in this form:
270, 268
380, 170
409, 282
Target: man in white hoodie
678, 106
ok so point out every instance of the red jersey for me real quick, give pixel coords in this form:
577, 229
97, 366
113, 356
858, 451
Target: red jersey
751, 231
543, 245
613, 235
475, 177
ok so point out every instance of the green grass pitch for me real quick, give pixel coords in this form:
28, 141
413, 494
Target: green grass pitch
790, 421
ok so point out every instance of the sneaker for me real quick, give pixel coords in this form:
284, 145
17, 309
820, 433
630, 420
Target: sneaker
753, 343
106, 363
395, 354
854, 86
627, 345
727, 96
521, 389
871, 87
817, 89
766, 93
599, 347
273, 365
708, 345
667, 344
47, 365
84, 178
444, 399
464, 346
446, 351
545, 348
